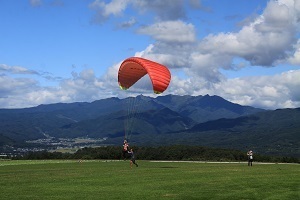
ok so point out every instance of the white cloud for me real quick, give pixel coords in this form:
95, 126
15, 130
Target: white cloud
170, 31
169, 54
169, 9
264, 42
115, 7
16, 69
294, 59
277, 91
105, 10
128, 24
35, 3
13, 91
163, 10
26, 92
267, 40
166, 10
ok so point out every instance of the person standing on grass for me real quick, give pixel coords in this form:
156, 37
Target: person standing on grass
125, 149
250, 157
132, 159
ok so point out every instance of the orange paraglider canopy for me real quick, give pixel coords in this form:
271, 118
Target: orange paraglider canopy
134, 68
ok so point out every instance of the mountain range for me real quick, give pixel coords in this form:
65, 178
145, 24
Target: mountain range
164, 120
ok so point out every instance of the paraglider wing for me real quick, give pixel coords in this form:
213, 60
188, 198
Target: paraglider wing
134, 68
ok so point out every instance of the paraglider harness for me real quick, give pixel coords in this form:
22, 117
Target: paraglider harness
125, 149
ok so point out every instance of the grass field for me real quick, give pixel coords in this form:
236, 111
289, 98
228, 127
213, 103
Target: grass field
99, 179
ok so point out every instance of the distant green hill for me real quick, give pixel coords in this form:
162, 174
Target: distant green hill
165, 120
270, 132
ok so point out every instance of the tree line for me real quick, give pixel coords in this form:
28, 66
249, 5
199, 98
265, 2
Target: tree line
175, 152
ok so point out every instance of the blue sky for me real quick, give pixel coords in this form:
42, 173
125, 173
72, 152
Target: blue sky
246, 51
